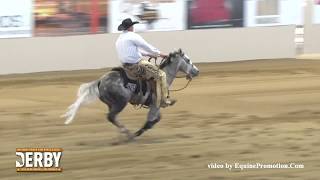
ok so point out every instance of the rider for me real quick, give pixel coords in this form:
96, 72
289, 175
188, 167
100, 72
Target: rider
130, 48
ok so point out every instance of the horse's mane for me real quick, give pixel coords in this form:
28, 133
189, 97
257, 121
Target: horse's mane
168, 60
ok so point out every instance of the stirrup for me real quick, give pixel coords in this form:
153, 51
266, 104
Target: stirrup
168, 102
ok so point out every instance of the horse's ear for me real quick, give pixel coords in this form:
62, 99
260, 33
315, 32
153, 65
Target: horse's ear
180, 51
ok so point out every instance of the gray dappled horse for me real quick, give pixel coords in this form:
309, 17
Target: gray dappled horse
110, 89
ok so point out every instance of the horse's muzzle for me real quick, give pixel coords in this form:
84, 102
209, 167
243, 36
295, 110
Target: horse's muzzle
194, 73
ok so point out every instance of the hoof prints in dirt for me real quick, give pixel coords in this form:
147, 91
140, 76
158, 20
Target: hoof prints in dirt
183, 136
137, 140
295, 116
202, 121
195, 156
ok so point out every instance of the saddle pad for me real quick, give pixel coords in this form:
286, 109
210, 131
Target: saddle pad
131, 84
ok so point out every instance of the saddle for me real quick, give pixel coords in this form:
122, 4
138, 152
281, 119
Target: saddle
142, 89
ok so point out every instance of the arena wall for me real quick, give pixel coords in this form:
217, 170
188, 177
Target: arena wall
312, 40
97, 51
311, 32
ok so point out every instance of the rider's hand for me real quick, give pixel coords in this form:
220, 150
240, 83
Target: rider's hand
163, 55
152, 56
149, 55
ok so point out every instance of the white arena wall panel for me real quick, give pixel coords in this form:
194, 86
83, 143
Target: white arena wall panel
234, 44
311, 31
312, 39
41, 54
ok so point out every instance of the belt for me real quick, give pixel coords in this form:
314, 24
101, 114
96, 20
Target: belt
129, 64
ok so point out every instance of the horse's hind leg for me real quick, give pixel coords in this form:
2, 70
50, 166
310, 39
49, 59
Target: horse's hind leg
114, 110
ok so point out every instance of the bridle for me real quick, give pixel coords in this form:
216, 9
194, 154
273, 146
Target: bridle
166, 61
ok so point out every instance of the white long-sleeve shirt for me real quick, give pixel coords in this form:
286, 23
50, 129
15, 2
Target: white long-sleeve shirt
131, 46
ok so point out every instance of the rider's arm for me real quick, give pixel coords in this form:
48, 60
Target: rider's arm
147, 49
144, 53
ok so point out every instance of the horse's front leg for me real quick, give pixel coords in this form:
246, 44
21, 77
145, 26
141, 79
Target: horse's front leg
153, 117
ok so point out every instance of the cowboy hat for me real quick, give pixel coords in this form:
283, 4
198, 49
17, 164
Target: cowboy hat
127, 23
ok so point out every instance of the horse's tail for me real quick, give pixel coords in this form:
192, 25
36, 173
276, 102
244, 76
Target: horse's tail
87, 93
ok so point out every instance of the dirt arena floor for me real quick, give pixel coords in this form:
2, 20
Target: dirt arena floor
241, 112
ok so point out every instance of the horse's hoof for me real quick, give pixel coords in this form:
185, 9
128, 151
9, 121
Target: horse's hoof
131, 137
138, 133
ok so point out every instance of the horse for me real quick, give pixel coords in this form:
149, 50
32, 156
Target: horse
110, 90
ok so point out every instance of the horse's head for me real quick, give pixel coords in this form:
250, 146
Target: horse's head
184, 64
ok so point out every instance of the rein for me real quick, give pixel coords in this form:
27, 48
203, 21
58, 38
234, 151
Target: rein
175, 90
